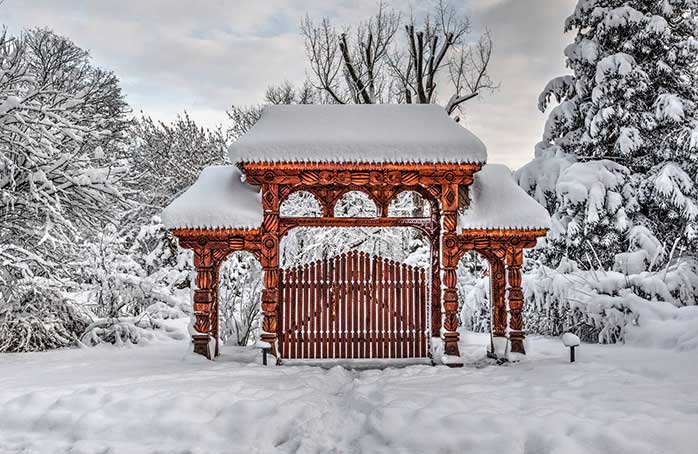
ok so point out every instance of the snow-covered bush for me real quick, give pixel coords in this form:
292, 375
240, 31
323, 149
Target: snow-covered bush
39, 319
239, 299
127, 288
597, 305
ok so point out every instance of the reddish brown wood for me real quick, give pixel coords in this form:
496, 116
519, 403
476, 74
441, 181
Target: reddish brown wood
323, 309
397, 327
343, 307
375, 298
312, 325
422, 327
373, 292
515, 296
287, 313
409, 302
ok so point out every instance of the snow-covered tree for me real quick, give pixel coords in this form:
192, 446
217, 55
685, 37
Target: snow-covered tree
631, 105
388, 59
166, 158
62, 122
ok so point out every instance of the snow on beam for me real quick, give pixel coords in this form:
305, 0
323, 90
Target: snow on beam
219, 199
383, 133
498, 203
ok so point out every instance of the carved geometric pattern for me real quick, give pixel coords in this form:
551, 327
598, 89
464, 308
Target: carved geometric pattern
445, 186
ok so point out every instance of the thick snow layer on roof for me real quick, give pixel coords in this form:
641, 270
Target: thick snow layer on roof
382, 133
498, 203
218, 199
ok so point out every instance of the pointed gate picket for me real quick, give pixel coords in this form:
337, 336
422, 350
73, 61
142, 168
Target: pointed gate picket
353, 306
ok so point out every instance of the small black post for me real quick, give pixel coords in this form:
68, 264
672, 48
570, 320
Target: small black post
571, 353
264, 356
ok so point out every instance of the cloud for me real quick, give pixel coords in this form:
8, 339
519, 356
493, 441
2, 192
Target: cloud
203, 56
528, 51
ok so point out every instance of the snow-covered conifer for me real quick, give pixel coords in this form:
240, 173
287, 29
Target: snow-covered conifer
632, 99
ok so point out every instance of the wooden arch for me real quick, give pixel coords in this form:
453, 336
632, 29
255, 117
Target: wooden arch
445, 186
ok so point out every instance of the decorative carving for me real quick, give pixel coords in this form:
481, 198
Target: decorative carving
515, 297
445, 186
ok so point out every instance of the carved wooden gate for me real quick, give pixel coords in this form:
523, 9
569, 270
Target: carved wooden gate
353, 306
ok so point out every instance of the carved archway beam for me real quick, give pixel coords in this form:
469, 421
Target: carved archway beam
360, 174
382, 195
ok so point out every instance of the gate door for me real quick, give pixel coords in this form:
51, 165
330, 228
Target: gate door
353, 306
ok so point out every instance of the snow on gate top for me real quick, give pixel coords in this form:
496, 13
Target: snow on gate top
360, 133
394, 134
498, 203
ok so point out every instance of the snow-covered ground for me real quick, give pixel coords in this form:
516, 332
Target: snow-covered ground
161, 398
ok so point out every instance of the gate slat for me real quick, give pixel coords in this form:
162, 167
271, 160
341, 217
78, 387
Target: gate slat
351, 304
353, 314
404, 316
301, 309
372, 305
336, 308
287, 318
410, 315
403, 311
341, 302
294, 312
423, 338
322, 312
312, 328
414, 302
367, 289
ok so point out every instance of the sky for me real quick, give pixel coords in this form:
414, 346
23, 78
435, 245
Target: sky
203, 56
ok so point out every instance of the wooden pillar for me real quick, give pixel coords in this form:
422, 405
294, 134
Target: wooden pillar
435, 246
205, 301
498, 305
270, 264
515, 297
449, 263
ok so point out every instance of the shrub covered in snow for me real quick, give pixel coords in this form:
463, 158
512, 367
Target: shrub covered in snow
597, 305
40, 319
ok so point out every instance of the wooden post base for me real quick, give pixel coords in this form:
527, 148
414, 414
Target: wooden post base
516, 343
451, 344
202, 344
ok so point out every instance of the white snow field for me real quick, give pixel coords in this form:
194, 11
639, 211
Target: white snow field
162, 399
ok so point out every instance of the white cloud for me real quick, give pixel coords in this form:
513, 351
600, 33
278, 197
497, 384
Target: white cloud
203, 56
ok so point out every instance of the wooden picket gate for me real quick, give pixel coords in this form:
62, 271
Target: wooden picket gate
353, 306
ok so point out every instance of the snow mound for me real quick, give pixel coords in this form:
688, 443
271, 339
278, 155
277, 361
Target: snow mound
218, 199
570, 340
384, 133
497, 202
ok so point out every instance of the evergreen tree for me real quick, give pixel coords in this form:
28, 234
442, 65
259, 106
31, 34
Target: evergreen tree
631, 106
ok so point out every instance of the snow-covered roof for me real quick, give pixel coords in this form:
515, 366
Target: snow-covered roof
219, 199
498, 203
376, 133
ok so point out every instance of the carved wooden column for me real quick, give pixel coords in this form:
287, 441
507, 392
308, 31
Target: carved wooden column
449, 262
515, 297
435, 246
270, 264
205, 300
498, 305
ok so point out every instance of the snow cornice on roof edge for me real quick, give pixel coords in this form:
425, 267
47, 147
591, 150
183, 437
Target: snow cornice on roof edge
497, 203
372, 134
218, 200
